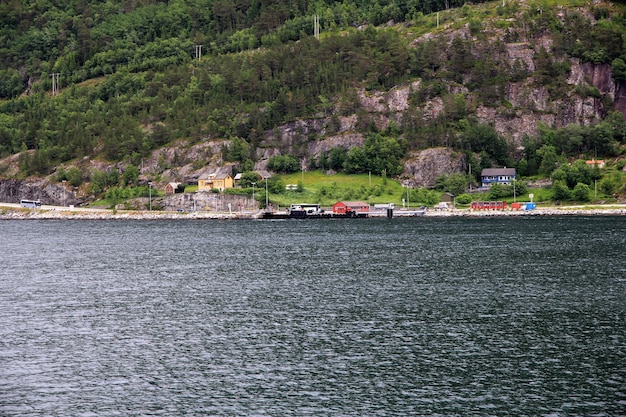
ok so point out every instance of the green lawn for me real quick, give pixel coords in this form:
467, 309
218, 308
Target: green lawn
326, 190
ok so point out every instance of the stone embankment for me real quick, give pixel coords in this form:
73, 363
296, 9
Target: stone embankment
30, 214
12, 213
564, 211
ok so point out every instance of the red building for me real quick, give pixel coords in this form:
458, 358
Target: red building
343, 207
488, 205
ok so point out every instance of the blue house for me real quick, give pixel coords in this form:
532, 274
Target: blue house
491, 176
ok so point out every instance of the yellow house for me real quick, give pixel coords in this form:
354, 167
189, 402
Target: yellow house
215, 181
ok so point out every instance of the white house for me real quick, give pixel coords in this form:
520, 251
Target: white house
491, 176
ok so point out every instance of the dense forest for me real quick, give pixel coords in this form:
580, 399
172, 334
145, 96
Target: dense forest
117, 79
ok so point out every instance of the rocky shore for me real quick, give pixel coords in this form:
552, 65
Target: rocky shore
14, 213
29, 214
563, 211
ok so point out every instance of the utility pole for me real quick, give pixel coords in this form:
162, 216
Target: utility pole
253, 184
408, 203
55, 83
514, 194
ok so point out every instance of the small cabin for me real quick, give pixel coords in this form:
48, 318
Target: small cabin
171, 188
447, 198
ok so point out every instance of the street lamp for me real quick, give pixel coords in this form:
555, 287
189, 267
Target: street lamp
253, 184
514, 195
64, 190
408, 203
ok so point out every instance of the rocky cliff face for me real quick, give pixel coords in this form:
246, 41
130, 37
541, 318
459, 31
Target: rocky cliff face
422, 168
13, 190
531, 106
528, 105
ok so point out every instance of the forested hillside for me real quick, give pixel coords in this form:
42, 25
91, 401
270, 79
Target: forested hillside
526, 84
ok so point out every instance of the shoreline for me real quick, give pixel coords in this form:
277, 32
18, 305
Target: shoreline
14, 213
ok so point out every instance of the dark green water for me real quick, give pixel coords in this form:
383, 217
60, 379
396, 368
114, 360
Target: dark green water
376, 317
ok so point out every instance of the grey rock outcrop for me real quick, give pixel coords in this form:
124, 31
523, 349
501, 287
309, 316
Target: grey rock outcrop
424, 167
13, 190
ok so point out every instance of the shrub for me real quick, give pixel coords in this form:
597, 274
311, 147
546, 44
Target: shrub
74, 176
581, 192
464, 199
560, 191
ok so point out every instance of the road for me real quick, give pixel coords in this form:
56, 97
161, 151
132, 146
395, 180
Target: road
58, 208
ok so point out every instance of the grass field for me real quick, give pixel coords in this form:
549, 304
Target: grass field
326, 190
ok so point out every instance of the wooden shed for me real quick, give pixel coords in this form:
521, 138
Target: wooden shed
171, 188
447, 198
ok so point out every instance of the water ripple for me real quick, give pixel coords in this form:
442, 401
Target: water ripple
433, 317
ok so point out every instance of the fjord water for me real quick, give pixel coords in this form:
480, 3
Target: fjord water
376, 317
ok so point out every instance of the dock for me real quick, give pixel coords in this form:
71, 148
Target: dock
278, 215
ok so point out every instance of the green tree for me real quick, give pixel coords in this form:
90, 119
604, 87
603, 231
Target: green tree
275, 185
379, 154
60, 174
130, 175
11, 83
98, 181
560, 192
248, 178
464, 199
113, 177
425, 196
456, 183
283, 164
498, 191
484, 139
618, 69
577, 172
337, 158
247, 165
608, 185
581, 192
74, 176
355, 160
238, 150
549, 159
518, 188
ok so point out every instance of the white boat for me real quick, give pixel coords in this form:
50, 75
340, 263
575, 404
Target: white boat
410, 213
